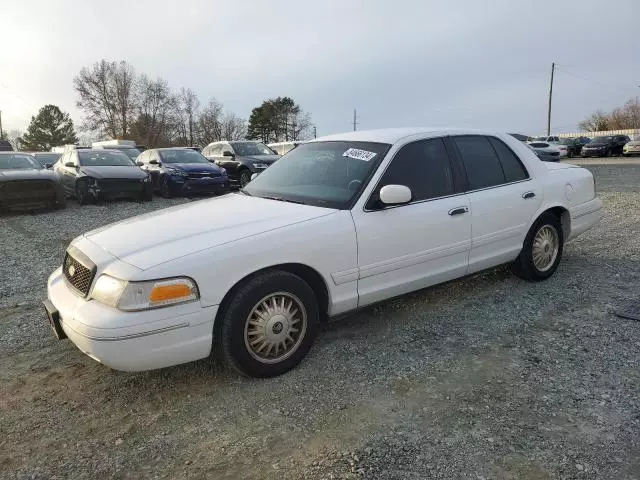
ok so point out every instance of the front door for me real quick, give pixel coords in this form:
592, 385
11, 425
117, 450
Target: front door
407, 247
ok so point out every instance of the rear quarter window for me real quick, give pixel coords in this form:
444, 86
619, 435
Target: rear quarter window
514, 170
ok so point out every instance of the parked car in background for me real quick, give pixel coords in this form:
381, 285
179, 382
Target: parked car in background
605, 146
632, 147
183, 171
240, 159
521, 137
545, 151
125, 146
548, 139
574, 145
5, 146
339, 223
46, 159
25, 184
283, 147
91, 175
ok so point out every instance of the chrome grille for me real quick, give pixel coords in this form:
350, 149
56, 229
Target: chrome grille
77, 274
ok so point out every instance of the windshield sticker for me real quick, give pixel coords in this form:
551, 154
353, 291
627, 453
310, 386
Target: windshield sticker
359, 154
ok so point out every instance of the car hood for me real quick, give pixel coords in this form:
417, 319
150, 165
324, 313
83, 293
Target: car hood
634, 143
194, 167
26, 174
165, 235
132, 172
268, 159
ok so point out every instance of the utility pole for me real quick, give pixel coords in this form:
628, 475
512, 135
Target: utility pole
315, 132
553, 68
1, 132
354, 120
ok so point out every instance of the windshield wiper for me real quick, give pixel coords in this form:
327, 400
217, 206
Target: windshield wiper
280, 199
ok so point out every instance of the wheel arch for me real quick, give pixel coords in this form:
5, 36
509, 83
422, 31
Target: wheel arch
562, 214
310, 275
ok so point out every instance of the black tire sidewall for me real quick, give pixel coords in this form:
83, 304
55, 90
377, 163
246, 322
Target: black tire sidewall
246, 174
82, 192
527, 266
165, 188
235, 314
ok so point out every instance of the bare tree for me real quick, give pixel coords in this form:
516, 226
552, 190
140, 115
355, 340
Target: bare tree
233, 127
300, 126
209, 124
189, 105
597, 121
157, 108
106, 91
632, 107
15, 138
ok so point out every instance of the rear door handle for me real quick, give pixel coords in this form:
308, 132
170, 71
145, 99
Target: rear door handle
458, 211
528, 195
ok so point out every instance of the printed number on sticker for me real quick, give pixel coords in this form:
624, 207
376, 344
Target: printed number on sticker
359, 154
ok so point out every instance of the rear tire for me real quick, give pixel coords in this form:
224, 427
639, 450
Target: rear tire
541, 251
272, 310
165, 188
244, 178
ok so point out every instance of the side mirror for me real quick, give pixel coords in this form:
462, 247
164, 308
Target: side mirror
253, 175
395, 194
139, 163
70, 165
227, 153
154, 162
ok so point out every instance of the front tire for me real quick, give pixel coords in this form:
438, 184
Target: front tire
244, 178
542, 250
165, 188
269, 325
83, 196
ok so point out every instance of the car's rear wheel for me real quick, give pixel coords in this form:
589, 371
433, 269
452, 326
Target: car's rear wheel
542, 250
269, 324
244, 178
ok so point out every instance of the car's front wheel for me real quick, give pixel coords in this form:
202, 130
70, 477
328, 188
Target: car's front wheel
244, 178
269, 324
542, 249
165, 188
83, 195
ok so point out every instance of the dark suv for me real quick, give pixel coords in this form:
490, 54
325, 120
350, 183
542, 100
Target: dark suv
241, 159
605, 146
5, 146
574, 145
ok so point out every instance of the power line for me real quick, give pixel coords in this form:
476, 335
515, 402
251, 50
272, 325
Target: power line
563, 69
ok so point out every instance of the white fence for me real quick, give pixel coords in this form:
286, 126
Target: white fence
632, 132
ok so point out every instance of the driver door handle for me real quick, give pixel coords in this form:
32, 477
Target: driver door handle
458, 211
528, 195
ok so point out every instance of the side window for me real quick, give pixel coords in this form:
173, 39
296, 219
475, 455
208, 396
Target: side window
424, 167
227, 148
512, 167
480, 161
73, 157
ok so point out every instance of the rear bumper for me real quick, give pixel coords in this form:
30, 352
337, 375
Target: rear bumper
585, 216
131, 341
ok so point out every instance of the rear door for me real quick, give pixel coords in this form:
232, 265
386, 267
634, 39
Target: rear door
503, 198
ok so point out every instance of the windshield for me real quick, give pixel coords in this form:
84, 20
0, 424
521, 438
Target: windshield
98, 158
182, 155
132, 153
17, 162
246, 149
47, 158
602, 139
324, 174
567, 141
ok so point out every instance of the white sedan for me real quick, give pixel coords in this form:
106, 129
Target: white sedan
338, 223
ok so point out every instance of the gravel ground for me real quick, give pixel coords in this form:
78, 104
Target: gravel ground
484, 377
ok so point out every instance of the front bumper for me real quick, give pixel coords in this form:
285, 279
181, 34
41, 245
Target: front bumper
200, 186
131, 341
600, 152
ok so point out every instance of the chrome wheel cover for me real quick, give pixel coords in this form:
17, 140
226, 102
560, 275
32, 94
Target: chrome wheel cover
546, 245
275, 327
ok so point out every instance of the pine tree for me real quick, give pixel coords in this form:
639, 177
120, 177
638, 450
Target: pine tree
50, 128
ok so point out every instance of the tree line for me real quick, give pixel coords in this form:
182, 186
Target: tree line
620, 118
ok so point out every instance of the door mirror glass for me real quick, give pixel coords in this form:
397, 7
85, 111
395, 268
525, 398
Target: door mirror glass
395, 194
70, 164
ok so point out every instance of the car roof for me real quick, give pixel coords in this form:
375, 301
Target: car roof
393, 135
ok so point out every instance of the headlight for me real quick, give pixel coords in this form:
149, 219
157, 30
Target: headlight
132, 296
260, 165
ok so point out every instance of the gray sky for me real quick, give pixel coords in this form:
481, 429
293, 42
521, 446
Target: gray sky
464, 63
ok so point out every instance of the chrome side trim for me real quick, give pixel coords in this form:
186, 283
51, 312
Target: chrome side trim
128, 337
